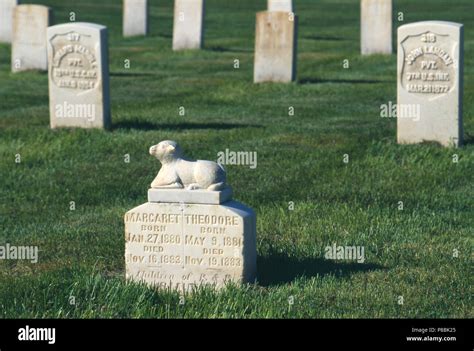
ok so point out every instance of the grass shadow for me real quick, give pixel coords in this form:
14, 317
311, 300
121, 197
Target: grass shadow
139, 125
165, 35
468, 139
344, 81
278, 269
319, 38
223, 49
134, 74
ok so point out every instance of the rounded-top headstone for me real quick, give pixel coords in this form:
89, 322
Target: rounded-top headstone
78, 75
430, 83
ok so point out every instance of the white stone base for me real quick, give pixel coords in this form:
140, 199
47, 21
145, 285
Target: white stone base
190, 196
183, 246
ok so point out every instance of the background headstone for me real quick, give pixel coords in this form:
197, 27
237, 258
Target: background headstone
78, 75
188, 24
6, 20
376, 27
275, 47
430, 82
280, 5
135, 17
29, 51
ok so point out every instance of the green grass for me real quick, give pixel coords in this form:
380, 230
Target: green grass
409, 253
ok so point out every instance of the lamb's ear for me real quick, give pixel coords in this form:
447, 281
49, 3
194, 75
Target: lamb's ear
170, 148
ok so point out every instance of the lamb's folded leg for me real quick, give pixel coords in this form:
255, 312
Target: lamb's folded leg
193, 186
176, 185
216, 187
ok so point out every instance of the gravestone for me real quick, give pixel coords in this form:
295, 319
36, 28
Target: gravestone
78, 75
376, 27
275, 47
188, 25
135, 17
430, 82
30, 23
6, 20
190, 232
280, 5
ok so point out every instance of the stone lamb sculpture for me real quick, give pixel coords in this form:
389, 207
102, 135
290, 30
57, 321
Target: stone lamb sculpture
179, 173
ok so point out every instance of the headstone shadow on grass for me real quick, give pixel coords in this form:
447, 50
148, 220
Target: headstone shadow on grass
468, 139
341, 81
134, 74
278, 269
165, 35
223, 49
139, 125
324, 38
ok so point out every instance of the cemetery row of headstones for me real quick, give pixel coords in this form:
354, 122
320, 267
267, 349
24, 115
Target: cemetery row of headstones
190, 231
430, 60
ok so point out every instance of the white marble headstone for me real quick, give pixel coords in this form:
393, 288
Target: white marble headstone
188, 24
6, 20
182, 246
186, 235
376, 27
30, 23
430, 83
78, 75
135, 17
275, 47
280, 5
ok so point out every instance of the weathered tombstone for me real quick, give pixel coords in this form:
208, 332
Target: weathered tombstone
430, 82
275, 47
135, 17
376, 27
30, 23
188, 26
189, 233
78, 76
280, 5
6, 20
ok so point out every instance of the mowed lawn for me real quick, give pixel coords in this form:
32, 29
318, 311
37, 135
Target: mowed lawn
420, 255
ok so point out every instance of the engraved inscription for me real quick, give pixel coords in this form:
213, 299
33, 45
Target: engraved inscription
180, 249
74, 63
429, 67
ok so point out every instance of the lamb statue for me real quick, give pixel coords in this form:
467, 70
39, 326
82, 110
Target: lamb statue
178, 172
